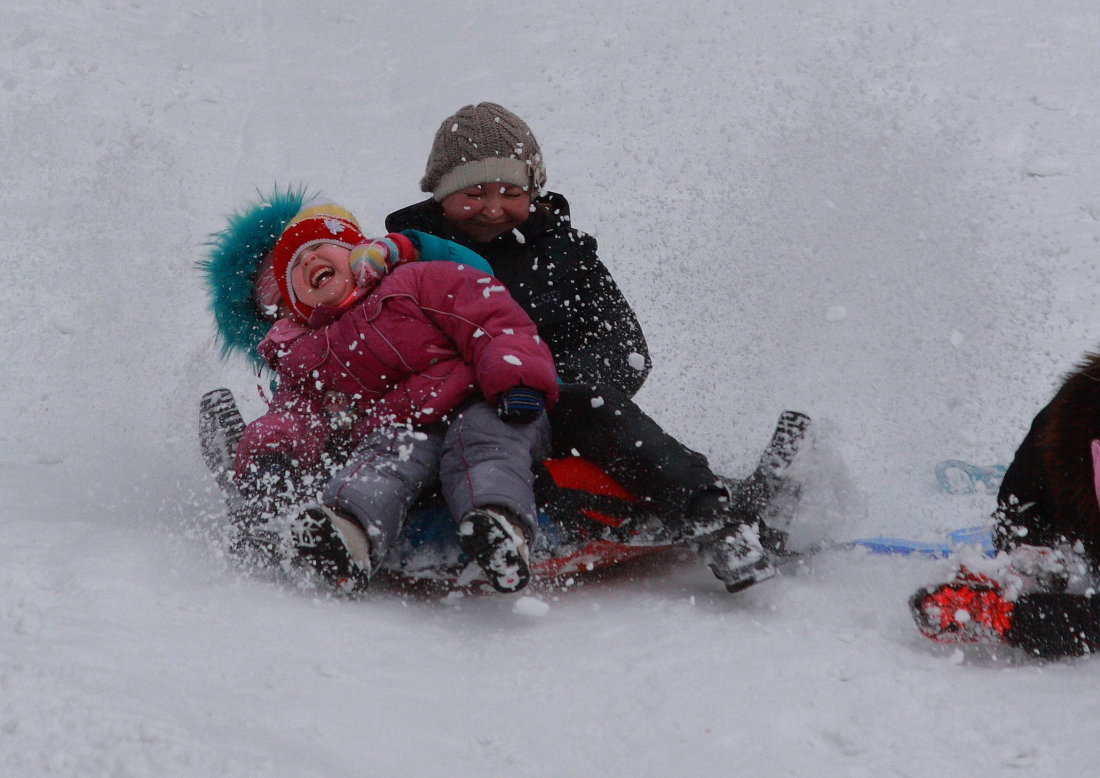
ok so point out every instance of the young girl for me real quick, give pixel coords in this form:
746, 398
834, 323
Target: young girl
1038, 593
433, 371
485, 175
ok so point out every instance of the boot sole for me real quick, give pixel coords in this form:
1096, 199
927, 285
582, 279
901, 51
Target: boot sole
496, 547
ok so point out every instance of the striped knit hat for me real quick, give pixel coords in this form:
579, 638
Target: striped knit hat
319, 221
479, 143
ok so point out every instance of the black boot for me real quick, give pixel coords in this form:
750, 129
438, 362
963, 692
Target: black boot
769, 496
769, 482
250, 543
498, 542
736, 557
220, 429
333, 547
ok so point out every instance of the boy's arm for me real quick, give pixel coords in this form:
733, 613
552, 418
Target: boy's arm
435, 249
374, 258
602, 341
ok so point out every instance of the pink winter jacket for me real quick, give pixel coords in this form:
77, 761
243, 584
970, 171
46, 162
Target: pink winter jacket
428, 337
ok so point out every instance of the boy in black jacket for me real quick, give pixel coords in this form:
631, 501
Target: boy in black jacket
483, 173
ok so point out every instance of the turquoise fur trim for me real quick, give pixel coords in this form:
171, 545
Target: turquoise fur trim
230, 268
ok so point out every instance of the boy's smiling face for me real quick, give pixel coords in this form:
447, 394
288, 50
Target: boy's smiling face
487, 210
321, 275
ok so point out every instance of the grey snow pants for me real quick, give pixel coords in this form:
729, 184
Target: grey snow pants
479, 461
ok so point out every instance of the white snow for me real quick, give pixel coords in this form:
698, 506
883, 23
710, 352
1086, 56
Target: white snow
530, 606
746, 167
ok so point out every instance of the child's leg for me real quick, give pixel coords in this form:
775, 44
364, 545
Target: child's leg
382, 478
486, 462
1053, 625
607, 428
488, 482
687, 498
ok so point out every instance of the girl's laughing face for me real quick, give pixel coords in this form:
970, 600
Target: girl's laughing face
321, 275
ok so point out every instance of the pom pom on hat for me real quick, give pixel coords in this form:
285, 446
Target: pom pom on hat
318, 221
479, 143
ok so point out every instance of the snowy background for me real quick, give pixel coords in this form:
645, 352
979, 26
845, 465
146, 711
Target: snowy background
880, 212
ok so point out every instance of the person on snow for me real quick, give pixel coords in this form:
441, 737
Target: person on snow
1038, 594
485, 175
433, 371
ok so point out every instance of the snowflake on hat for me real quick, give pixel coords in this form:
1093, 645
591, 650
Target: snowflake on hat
317, 222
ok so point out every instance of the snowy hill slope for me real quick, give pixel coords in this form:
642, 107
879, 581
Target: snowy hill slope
884, 214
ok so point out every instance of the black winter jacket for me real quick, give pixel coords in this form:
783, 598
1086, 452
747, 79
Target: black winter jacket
555, 275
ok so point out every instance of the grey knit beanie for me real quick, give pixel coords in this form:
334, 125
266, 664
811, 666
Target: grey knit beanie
483, 142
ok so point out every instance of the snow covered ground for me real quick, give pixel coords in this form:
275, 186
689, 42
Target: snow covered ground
881, 212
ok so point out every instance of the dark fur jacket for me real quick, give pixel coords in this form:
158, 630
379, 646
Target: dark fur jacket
1049, 494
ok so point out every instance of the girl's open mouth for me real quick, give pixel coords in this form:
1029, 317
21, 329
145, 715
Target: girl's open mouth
320, 275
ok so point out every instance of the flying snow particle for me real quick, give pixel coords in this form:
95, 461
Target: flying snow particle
597, 402
636, 360
512, 359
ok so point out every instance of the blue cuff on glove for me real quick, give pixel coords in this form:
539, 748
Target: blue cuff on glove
521, 405
434, 249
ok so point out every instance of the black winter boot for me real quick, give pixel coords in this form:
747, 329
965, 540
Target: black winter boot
332, 547
497, 541
769, 496
251, 544
735, 556
769, 492
220, 429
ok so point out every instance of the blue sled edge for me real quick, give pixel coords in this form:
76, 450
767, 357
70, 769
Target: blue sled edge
954, 542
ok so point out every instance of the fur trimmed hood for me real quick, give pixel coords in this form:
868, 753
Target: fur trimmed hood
230, 267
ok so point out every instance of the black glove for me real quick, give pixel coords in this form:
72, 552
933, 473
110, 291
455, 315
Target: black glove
520, 405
